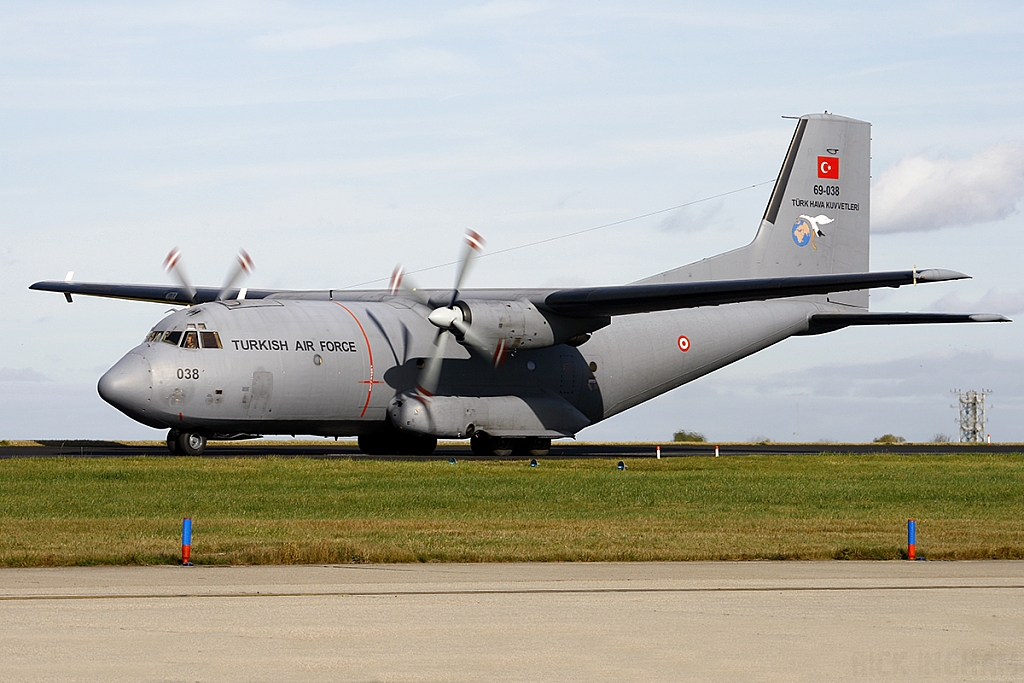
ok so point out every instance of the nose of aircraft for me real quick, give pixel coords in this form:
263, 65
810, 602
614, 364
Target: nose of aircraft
128, 386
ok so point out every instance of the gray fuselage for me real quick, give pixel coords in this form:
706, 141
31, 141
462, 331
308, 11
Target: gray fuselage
333, 368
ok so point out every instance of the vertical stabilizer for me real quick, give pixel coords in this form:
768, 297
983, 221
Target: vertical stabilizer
817, 220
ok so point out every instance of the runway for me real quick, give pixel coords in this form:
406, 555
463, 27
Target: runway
560, 450
754, 621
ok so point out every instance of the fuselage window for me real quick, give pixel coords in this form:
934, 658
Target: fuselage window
154, 335
211, 340
172, 337
191, 340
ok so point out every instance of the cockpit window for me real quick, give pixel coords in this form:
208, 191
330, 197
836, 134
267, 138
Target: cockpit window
191, 340
172, 337
154, 335
211, 340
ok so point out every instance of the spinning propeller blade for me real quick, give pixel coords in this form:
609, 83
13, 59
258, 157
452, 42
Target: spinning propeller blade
400, 284
427, 384
243, 267
172, 265
474, 244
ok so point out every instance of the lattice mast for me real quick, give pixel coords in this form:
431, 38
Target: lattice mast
972, 415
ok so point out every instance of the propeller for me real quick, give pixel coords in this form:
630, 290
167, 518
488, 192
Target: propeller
400, 284
243, 267
448, 319
473, 244
173, 265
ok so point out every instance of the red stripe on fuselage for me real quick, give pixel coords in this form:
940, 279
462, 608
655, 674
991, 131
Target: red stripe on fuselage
369, 384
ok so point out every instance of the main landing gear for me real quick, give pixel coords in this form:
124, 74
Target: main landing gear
185, 443
502, 446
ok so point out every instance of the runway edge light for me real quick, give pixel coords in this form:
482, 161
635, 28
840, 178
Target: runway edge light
911, 539
186, 542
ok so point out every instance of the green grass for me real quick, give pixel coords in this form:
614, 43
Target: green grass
128, 511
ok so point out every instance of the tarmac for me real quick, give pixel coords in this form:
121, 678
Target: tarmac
326, 449
698, 621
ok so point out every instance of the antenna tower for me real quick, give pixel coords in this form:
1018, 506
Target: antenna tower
972, 415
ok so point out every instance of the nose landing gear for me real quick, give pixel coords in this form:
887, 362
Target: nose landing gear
185, 443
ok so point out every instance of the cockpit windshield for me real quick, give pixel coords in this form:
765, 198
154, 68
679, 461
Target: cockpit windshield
211, 340
195, 336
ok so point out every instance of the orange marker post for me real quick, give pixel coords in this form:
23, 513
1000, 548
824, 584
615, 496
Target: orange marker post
186, 542
911, 539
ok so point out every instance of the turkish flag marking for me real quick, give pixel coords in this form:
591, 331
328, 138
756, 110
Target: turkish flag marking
828, 167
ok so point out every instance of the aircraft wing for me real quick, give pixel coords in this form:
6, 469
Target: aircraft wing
161, 294
626, 299
597, 302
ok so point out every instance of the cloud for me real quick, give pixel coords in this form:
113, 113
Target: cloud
920, 193
21, 375
1004, 301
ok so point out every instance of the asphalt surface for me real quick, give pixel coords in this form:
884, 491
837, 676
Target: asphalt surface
328, 449
700, 621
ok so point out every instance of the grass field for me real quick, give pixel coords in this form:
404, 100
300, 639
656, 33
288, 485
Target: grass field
59, 511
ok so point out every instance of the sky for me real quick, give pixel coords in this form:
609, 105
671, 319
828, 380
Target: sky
334, 140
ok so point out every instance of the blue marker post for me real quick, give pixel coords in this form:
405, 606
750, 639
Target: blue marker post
186, 542
911, 539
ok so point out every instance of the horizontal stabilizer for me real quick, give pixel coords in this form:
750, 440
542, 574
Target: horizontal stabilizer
820, 323
627, 299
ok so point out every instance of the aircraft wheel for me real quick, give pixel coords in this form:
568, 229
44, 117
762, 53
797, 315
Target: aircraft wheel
428, 445
502, 447
373, 444
480, 444
172, 442
417, 445
191, 443
492, 446
536, 446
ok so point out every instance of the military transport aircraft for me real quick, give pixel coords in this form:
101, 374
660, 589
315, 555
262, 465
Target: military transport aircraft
528, 365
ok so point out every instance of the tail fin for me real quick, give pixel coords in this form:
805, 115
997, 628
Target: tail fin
817, 220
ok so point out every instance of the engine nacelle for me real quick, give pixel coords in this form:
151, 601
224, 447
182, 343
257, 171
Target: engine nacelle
522, 326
